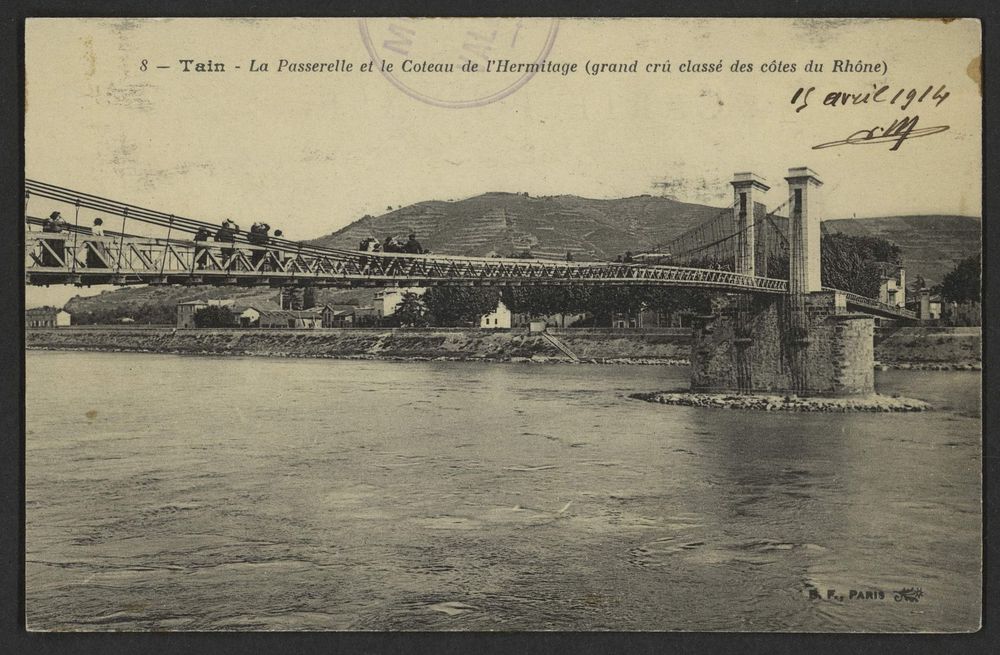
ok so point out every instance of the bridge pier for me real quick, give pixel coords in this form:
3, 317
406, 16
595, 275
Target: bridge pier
748, 344
803, 343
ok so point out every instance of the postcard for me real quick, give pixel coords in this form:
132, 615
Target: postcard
503, 324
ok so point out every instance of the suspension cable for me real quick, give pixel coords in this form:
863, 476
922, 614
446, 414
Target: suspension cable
166, 244
733, 235
706, 224
121, 243
76, 224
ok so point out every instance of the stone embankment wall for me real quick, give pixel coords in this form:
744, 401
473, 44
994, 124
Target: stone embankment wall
464, 344
929, 347
910, 347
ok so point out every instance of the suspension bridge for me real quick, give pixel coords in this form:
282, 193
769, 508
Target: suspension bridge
773, 327
153, 247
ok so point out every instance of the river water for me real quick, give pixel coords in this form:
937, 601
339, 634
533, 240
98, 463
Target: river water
197, 493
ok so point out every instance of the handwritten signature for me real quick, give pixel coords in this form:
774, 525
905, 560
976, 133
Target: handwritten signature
896, 133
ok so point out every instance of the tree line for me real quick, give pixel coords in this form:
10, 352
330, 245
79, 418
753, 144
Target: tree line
850, 263
964, 282
149, 313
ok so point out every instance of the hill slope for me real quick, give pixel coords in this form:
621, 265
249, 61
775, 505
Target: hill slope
139, 301
550, 226
931, 245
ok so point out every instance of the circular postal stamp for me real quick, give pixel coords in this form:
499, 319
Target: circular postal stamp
458, 62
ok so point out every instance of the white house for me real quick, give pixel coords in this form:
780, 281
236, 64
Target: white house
246, 316
46, 317
186, 312
892, 287
387, 299
499, 319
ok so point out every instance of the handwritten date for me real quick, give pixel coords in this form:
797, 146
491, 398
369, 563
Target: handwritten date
880, 94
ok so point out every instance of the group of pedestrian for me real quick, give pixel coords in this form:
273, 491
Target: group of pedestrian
412, 246
392, 244
259, 236
54, 252
389, 244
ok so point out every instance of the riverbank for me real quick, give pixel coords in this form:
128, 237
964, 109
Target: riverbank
589, 346
929, 348
914, 348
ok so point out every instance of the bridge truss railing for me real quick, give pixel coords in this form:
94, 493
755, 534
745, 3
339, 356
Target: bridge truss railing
856, 301
86, 259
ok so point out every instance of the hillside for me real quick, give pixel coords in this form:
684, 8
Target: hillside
550, 226
931, 245
505, 223
136, 301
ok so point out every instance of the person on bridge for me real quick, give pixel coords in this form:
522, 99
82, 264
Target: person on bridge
278, 255
200, 249
391, 245
227, 234
258, 236
94, 259
412, 246
628, 257
54, 224
368, 244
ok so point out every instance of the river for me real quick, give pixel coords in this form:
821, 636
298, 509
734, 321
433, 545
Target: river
235, 493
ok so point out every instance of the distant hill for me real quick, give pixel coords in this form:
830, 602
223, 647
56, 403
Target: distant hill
137, 301
931, 245
548, 226
551, 226
154, 304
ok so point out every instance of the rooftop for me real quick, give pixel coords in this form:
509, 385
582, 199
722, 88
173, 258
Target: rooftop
47, 309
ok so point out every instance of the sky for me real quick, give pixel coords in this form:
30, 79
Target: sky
312, 152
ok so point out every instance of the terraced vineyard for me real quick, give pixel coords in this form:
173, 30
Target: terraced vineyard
589, 229
550, 226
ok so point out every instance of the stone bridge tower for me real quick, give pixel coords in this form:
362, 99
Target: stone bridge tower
803, 342
804, 216
748, 189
